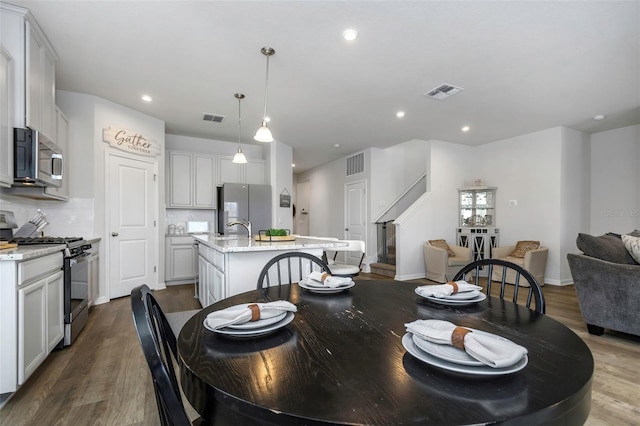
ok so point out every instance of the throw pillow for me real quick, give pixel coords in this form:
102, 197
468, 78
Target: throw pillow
605, 247
443, 245
522, 247
632, 244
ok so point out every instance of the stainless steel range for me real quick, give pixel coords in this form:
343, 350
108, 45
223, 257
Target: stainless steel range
76, 281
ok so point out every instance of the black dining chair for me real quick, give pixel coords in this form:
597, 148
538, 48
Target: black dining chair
521, 276
289, 268
160, 349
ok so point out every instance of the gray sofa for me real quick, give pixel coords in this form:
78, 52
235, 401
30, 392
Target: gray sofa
607, 282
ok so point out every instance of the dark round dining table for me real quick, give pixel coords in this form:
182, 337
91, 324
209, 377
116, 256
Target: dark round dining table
341, 361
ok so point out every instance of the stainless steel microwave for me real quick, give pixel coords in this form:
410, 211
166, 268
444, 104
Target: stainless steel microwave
38, 161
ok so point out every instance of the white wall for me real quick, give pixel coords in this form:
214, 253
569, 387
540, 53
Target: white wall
280, 159
435, 216
527, 169
574, 196
615, 181
211, 146
88, 116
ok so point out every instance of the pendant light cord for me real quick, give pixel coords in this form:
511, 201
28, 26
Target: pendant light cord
266, 90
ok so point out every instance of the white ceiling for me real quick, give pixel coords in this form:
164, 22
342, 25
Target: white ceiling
524, 66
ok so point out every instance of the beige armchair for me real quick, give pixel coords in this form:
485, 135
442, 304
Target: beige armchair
441, 267
534, 261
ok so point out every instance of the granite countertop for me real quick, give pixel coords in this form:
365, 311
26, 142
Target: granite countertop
244, 244
29, 252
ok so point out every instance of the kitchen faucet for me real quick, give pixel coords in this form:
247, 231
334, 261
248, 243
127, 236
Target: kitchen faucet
245, 223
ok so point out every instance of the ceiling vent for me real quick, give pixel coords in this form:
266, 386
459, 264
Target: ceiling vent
213, 117
443, 91
355, 164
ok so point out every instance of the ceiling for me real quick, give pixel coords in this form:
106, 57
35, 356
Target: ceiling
524, 66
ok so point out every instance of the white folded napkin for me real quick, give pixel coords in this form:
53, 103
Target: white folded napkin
329, 280
492, 351
240, 314
444, 290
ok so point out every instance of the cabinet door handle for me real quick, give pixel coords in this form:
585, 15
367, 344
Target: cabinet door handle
114, 234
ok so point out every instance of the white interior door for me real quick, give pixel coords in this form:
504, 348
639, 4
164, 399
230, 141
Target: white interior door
132, 234
355, 216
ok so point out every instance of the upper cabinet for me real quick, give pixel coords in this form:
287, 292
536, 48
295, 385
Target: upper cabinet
477, 207
33, 71
250, 173
61, 125
191, 180
6, 117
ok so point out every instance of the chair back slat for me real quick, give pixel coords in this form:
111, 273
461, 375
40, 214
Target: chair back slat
160, 350
289, 268
535, 295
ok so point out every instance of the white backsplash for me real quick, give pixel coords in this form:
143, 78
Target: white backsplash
73, 218
180, 217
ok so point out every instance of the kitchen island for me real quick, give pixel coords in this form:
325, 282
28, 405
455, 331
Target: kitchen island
230, 265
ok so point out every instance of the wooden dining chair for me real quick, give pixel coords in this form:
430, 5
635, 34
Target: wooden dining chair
522, 279
289, 268
160, 349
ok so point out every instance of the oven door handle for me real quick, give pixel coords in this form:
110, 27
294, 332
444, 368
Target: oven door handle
78, 259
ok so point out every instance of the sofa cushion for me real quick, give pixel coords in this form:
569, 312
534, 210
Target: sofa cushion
522, 247
605, 247
632, 244
443, 245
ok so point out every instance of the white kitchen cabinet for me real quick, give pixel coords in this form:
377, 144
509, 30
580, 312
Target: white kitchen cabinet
253, 172
211, 266
94, 271
32, 328
180, 258
6, 117
32, 315
62, 140
190, 180
34, 69
55, 310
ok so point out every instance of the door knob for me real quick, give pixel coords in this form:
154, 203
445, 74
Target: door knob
346, 229
114, 234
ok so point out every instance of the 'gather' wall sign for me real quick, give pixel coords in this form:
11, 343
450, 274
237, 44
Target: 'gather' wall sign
130, 141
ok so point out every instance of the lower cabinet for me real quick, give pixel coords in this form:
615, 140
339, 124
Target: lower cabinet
31, 317
40, 322
211, 277
180, 259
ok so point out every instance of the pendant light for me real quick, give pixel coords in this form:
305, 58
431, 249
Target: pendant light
239, 158
264, 134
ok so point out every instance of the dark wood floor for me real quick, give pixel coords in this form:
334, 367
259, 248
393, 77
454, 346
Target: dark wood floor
102, 379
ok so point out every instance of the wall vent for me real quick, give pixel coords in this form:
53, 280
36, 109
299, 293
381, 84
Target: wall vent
213, 117
443, 91
355, 164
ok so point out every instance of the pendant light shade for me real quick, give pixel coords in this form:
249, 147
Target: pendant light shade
264, 134
239, 158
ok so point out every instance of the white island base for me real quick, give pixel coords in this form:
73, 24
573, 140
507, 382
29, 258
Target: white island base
229, 265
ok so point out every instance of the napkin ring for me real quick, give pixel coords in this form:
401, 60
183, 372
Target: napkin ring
324, 277
457, 337
454, 285
255, 312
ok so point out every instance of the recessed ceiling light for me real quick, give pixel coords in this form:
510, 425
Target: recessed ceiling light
336, 145
465, 128
350, 34
146, 98
400, 114
599, 117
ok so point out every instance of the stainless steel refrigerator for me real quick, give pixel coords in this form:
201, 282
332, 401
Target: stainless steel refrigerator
244, 202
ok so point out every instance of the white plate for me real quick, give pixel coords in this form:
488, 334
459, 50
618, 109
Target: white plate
484, 370
451, 302
451, 353
322, 289
258, 324
465, 295
255, 332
